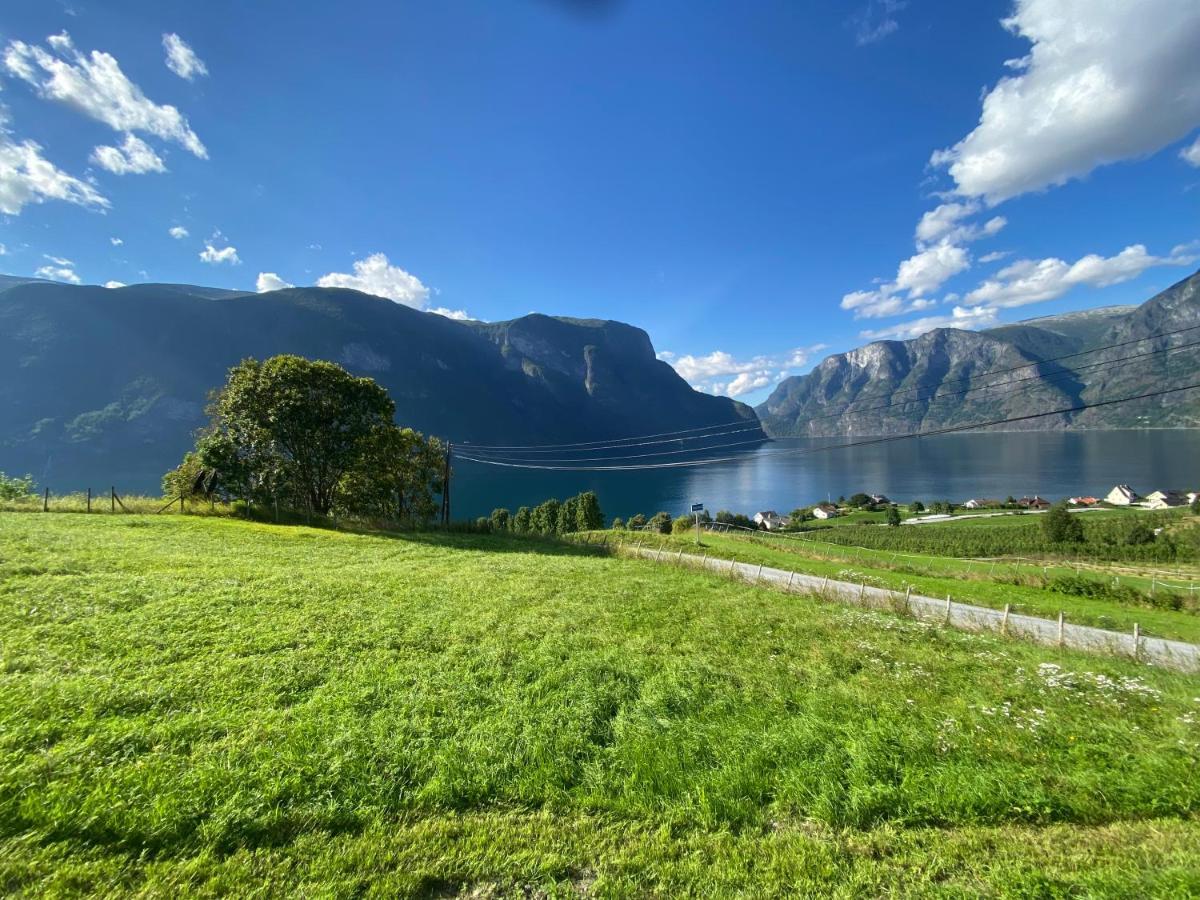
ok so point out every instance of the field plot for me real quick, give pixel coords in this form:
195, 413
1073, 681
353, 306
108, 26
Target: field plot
206, 705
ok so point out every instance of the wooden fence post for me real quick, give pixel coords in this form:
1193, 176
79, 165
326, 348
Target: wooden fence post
1137, 642
112, 491
908, 598
46, 501
791, 577
732, 563
947, 609
758, 574
1004, 621
89, 500
1060, 628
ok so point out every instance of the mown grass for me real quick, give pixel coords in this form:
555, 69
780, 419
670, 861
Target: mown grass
218, 707
1022, 587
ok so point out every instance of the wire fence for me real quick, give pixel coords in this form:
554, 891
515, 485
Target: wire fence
1177, 655
1151, 581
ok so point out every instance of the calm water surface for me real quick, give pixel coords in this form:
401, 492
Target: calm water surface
955, 467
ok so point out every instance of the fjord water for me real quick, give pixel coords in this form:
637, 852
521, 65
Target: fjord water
954, 467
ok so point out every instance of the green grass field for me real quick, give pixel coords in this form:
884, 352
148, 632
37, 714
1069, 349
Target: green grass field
982, 584
214, 707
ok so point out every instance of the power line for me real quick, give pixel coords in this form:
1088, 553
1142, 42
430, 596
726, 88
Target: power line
522, 457
644, 440
553, 449
804, 450
586, 444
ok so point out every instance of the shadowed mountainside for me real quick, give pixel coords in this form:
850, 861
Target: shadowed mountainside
103, 385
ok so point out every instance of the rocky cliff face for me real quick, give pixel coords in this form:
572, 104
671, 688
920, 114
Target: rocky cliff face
100, 386
899, 387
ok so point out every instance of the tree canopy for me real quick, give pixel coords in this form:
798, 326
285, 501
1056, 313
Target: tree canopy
309, 435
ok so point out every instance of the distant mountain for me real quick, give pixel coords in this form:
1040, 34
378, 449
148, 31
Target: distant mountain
101, 386
898, 387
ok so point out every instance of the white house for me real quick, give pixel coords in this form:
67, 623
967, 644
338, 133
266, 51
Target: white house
825, 511
1165, 500
770, 520
1122, 495
980, 503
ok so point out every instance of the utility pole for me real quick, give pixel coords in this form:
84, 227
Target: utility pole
446, 487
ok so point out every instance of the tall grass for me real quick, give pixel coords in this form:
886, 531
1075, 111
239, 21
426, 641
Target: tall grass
225, 707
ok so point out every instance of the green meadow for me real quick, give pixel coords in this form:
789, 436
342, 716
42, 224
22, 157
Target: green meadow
208, 706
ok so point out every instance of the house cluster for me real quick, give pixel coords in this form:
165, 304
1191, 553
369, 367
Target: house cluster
770, 520
1124, 495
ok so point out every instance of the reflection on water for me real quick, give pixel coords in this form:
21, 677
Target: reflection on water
955, 467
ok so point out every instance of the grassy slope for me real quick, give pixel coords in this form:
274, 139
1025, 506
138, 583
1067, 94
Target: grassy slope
936, 577
214, 706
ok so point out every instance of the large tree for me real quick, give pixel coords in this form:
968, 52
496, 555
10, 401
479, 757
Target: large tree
309, 435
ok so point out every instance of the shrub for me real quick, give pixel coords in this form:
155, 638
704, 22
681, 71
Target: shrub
501, 519
893, 515
618, 524
682, 525
1060, 527
660, 522
637, 522
13, 488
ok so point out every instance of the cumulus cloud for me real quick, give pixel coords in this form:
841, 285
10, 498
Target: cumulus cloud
182, 59
114, 284
61, 271
1103, 82
712, 372
995, 256
375, 275
28, 177
1191, 154
962, 317
269, 281
931, 268
133, 157
946, 224
459, 315
1033, 281
215, 257
178, 232
875, 21
115, 241
95, 86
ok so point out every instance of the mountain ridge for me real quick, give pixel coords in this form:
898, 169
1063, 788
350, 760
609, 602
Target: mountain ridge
900, 387
108, 384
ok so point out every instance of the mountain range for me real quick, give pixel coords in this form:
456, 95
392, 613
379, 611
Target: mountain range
950, 377
108, 385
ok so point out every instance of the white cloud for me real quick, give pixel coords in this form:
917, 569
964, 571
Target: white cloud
1033, 281
711, 373
1104, 81
178, 232
115, 241
929, 269
459, 315
995, 256
945, 224
62, 272
375, 275
95, 86
3, 250
58, 260
28, 177
269, 281
215, 257
182, 59
961, 317
133, 157
876, 20
1191, 154
114, 284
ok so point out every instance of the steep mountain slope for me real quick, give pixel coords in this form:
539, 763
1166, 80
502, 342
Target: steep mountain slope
107, 385
898, 387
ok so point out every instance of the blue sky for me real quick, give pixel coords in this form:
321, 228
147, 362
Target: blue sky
754, 184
